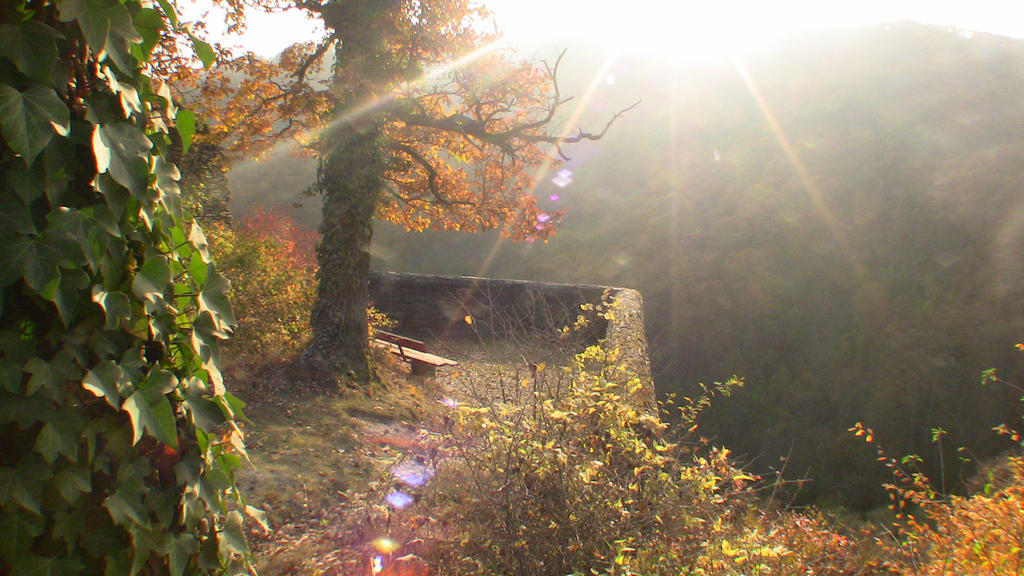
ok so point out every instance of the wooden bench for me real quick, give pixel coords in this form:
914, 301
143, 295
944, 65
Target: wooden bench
415, 352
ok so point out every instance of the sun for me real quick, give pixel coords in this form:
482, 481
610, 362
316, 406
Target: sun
677, 31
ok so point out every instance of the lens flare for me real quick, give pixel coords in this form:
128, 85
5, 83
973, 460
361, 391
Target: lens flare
399, 499
385, 545
412, 473
377, 564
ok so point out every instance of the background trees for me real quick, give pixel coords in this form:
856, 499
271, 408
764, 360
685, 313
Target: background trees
909, 133
119, 440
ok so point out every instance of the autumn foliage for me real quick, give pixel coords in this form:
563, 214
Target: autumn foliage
270, 260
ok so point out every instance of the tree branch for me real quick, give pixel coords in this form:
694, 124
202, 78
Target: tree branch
432, 176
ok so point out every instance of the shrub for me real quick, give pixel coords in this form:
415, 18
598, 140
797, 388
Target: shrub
271, 262
978, 534
579, 482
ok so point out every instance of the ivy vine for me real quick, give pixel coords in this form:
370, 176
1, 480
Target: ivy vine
118, 440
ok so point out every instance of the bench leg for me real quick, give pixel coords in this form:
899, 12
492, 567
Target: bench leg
422, 369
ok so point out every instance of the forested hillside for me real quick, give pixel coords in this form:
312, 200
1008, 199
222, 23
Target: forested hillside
842, 228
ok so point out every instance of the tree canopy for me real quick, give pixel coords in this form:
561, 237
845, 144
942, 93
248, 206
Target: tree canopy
417, 118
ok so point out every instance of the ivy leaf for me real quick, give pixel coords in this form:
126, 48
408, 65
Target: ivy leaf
152, 278
156, 418
203, 50
116, 307
168, 9
28, 182
29, 119
107, 26
198, 239
159, 382
70, 482
32, 565
17, 530
122, 512
214, 297
186, 123
36, 258
52, 441
120, 148
260, 516
63, 292
32, 46
15, 216
206, 414
104, 381
149, 23
232, 537
42, 375
10, 375
180, 552
138, 411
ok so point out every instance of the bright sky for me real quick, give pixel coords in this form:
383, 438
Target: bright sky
686, 30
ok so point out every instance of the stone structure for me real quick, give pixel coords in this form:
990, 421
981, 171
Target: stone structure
452, 308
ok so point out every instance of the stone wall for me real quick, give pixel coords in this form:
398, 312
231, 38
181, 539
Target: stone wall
460, 307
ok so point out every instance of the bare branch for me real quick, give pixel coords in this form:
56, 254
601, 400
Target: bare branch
303, 69
432, 176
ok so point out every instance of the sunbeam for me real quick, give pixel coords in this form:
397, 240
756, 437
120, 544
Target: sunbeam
544, 169
808, 182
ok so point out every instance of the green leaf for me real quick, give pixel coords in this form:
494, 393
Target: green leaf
32, 46
232, 537
214, 297
42, 376
182, 547
168, 9
121, 149
157, 418
204, 51
159, 381
152, 279
104, 381
10, 376
52, 441
15, 216
123, 512
29, 119
259, 516
164, 427
138, 411
37, 258
149, 23
17, 531
28, 182
32, 565
107, 26
116, 307
186, 123
73, 481
127, 94
64, 293
198, 239
167, 176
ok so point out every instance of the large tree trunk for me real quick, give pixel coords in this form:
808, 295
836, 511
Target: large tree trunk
350, 181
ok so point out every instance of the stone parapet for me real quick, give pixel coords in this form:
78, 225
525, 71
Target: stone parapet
467, 308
